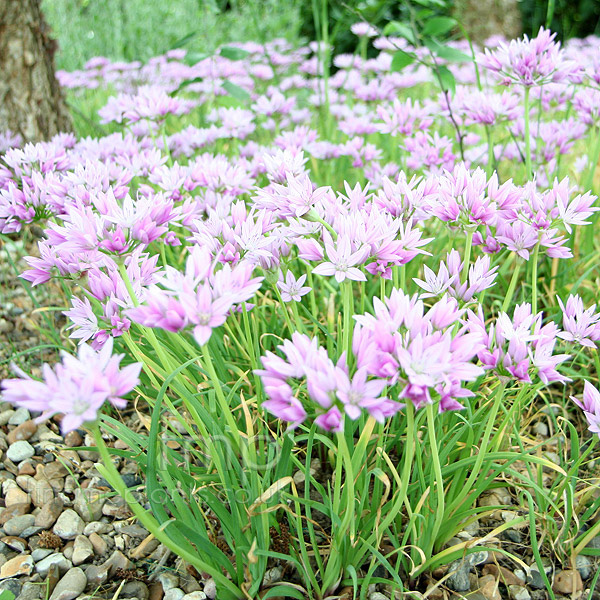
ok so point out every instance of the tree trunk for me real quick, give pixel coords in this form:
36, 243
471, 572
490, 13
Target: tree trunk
485, 18
31, 102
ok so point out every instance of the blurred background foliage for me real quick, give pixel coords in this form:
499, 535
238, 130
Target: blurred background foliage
139, 29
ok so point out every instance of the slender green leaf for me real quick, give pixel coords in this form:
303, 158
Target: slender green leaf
401, 60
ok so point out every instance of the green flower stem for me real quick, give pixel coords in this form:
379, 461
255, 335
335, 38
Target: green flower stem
528, 169
109, 471
468, 249
593, 157
313, 216
439, 480
218, 387
284, 310
297, 319
147, 330
490, 162
512, 285
483, 448
348, 303
534, 277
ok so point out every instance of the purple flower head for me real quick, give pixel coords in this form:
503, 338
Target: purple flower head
292, 289
76, 388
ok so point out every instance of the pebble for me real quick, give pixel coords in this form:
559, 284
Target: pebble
24, 431
147, 546
11, 585
567, 582
41, 553
69, 525
96, 527
5, 415
82, 550
518, 592
49, 513
584, 565
70, 586
16, 510
460, 569
19, 451
98, 544
168, 580
505, 576
135, 589
58, 559
41, 493
88, 503
15, 543
19, 565
488, 586
117, 560
156, 591
30, 591
17, 525
210, 588
378, 596
97, 575
174, 594
540, 428
273, 576
73, 439
16, 495
19, 417
195, 596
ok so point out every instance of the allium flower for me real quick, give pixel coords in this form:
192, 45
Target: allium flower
531, 62
590, 404
292, 288
342, 260
76, 388
580, 326
362, 29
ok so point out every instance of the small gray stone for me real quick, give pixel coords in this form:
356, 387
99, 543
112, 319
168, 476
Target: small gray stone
69, 525
584, 565
40, 553
88, 503
195, 596
33, 530
19, 417
20, 451
82, 550
459, 580
97, 575
378, 596
58, 559
168, 580
174, 594
135, 589
210, 588
534, 579
17, 525
49, 513
5, 415
12, 585
272, 576
30, 591
518, 592
70, 586
117, 560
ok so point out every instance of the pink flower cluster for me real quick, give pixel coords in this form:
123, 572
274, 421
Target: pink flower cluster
76, 388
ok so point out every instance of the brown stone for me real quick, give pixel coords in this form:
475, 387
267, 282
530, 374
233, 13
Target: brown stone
26, 468
73, 439
505, 576
146, 547
488, 586
99, 545
53, 470
567, 582
156, 591
14, 542
49, 513
14, 495
19, 565
42, 493
16, 510
22, 432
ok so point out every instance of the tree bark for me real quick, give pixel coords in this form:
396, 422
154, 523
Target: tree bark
31, 102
